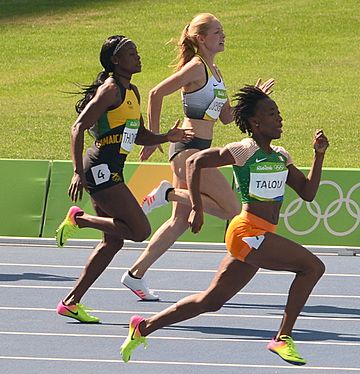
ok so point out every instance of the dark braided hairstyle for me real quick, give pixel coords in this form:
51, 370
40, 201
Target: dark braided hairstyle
110, 47
247, 98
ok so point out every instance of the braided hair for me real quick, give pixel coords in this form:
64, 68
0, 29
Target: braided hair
247, 99
110, 47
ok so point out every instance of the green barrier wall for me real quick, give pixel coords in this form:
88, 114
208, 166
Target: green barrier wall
34, 197
58, 202
23, 195
141, 179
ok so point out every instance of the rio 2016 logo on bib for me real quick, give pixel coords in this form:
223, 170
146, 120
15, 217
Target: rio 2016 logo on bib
129, 135
267, 181
214, 109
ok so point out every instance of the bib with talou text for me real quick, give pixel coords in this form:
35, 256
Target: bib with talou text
267, 181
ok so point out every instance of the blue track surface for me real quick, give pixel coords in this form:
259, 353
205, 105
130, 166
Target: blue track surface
34, 339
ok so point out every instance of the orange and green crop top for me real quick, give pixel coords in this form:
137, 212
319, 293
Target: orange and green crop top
119, 127
259, 176
206, 102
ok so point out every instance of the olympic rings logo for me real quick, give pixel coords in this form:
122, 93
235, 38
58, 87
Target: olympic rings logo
352, 207
279, 167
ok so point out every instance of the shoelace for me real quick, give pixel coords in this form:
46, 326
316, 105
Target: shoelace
82, 306
290, 344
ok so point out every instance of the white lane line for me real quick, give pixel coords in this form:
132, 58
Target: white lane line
175, 270
214, 315
226, 340
262, 294
180, 363
89, 248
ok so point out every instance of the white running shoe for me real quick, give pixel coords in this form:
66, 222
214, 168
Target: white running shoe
156, 198
139, 287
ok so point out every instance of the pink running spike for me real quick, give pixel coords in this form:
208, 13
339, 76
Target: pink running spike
135, 323
73, 211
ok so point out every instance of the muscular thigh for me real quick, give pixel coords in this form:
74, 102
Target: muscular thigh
118, 202
180, 212
107, 238
230, 278
279, 253
178, 165
214, 184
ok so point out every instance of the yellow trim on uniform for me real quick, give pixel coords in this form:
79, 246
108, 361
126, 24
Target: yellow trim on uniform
129, 108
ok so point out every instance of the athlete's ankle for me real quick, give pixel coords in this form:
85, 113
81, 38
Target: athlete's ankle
142, 327
167, 194
279, 335
133, 276
79, 218
69, 302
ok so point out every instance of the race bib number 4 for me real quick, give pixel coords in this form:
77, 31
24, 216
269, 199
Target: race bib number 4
267, 181
129, 135
101, 173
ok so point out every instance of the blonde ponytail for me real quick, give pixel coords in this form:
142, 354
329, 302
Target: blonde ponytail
188, 45
187, 48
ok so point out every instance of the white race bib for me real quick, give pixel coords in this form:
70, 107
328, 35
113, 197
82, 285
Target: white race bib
214, 109
129, 135
101, 173
267, 181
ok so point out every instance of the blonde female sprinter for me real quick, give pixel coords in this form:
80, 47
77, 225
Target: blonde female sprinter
204, 100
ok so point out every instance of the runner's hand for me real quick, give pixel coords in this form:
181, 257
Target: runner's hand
179, 135
196, 220
320, 141
76, 188
265, 87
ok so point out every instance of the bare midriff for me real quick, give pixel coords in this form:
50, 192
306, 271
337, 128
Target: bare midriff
202, 129
269, 210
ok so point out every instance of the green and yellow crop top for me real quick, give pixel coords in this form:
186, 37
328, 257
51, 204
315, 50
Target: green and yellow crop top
206, 102
259, 176
119, 127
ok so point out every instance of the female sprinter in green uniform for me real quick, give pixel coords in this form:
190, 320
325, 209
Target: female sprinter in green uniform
110, 110
261, 171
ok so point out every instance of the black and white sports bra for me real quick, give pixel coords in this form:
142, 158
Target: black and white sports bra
206, 102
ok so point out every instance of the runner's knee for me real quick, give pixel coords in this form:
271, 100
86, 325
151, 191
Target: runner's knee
110, 246
140, 234
318, 268
136, 232
315, 269
211, 303
179, 224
